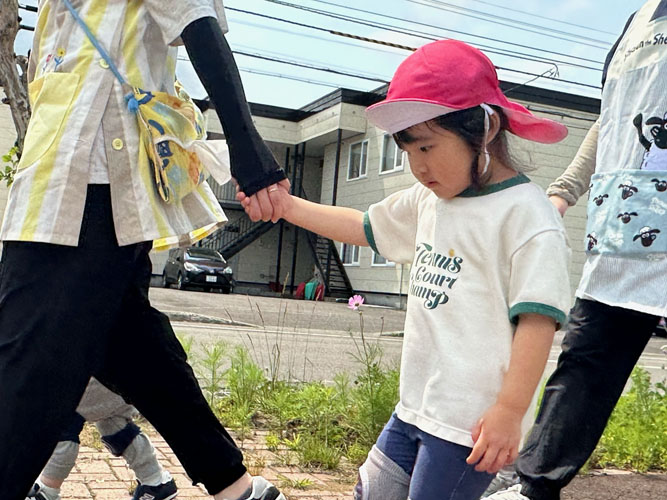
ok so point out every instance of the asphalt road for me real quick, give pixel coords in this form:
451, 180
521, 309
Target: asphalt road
313, 340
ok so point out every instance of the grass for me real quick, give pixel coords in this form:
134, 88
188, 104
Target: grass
636, 435
317, 425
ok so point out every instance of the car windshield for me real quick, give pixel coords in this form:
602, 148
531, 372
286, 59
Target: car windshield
204, 254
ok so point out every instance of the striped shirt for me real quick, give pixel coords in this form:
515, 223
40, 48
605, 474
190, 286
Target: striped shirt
74, 95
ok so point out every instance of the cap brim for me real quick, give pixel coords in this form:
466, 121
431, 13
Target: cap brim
394, 116
533, 127
400, 114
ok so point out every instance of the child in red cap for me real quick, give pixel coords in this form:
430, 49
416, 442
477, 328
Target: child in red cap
488, 280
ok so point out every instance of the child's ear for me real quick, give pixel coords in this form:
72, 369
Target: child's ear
494, 127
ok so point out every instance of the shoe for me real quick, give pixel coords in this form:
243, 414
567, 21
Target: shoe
37, 493
263, 490
164, 491
513, 493
500, 483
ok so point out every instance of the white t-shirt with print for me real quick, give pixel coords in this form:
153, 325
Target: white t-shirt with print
478, 261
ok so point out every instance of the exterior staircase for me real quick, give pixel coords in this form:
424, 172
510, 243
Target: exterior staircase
327, 260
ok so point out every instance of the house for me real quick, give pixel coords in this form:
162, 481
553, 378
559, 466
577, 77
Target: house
333, 155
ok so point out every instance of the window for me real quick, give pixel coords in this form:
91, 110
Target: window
392, 156
356, 166
379, 260
349, 254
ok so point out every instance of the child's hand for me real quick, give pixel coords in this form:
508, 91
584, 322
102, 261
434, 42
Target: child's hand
496, 435
267, 204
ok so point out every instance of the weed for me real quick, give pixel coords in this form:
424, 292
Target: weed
256, 466
211, 372
315, 453
297, 484
272, 442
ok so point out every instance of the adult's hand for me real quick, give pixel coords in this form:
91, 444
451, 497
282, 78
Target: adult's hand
266, 204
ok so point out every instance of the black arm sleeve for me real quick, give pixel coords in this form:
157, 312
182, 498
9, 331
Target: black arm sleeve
252, 163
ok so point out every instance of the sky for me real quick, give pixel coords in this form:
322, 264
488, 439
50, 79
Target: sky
566, 39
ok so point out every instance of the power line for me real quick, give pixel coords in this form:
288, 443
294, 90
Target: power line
288, 77
449, 7
327, 40
419, 33
504, 7
411, 32
382, 80
302, 60
313, 67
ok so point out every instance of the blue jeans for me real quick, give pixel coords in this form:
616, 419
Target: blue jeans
438, 468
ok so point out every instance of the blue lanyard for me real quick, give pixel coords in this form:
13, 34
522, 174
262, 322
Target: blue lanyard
95, 43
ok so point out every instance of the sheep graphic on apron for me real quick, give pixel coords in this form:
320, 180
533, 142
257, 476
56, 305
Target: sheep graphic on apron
655, 157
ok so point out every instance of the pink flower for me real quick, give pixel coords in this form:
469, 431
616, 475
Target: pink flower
355, 302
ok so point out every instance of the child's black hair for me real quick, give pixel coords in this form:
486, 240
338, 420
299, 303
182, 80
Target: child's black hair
468, 124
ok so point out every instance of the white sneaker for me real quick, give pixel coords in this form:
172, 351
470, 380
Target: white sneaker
264, 490
501, 482
40, 492
513, 493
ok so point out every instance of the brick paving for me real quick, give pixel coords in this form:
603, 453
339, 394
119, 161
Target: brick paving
100, 476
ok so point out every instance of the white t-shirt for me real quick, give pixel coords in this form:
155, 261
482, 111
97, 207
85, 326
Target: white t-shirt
478, 261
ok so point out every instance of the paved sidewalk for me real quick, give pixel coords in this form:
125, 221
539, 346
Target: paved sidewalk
100, 476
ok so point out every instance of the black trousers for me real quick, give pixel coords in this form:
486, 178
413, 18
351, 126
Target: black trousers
600, 349
67, 313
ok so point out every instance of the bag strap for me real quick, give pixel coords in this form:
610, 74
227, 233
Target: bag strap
95, 43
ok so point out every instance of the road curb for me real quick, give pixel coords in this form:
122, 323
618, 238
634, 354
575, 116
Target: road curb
202, 318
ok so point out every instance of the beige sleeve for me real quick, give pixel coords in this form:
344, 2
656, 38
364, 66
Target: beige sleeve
576, 179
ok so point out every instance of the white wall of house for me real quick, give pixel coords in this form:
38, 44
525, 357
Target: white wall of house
7, 138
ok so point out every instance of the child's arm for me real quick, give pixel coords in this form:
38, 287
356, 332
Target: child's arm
336, 223
498, 433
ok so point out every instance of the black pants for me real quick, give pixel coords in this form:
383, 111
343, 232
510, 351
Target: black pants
600, 348
67, 313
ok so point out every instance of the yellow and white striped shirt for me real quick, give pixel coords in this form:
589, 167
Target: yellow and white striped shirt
74, 95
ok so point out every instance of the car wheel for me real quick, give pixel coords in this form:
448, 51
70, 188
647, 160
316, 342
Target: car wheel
165, 283
179, 282
207, 289
226, 289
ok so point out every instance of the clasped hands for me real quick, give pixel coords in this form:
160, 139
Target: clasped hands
266, 204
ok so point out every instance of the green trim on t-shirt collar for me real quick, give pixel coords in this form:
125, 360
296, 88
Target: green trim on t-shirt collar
537, 308
494, 188
368, 231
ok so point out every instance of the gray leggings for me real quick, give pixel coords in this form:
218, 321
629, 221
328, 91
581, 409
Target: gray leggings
111, 415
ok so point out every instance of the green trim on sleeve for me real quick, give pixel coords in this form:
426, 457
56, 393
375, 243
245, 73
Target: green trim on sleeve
537, 308
368, 231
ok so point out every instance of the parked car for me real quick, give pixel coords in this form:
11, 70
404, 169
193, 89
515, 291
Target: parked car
198, 266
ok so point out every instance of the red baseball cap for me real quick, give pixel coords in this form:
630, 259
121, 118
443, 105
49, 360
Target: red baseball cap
447, 76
